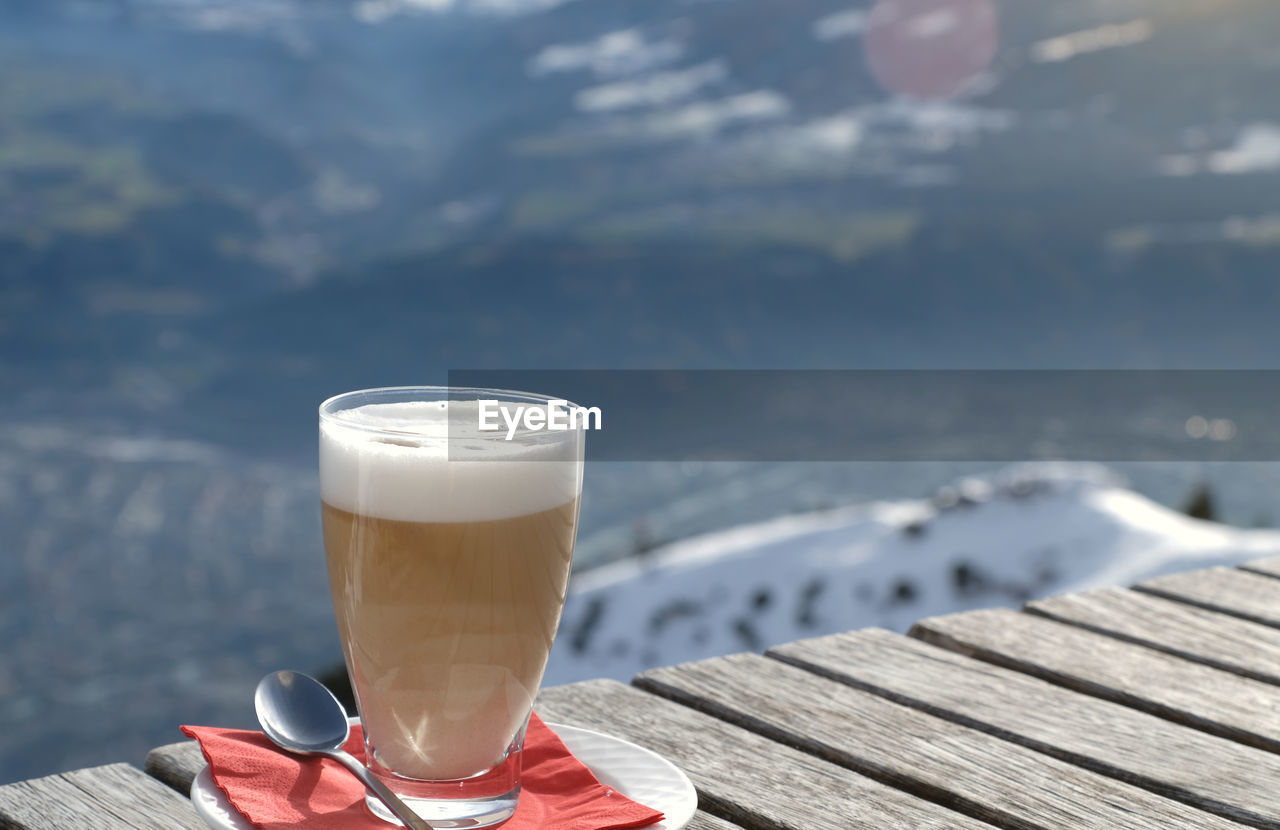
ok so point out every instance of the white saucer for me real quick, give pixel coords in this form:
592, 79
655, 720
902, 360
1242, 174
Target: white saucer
632, 770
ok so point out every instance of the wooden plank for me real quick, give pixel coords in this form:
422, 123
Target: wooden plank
706, 821
740, 775
1227, 778
1238, 708
1267, 567
1242, 594
1189, 632
970, 771
113, 797
177, 765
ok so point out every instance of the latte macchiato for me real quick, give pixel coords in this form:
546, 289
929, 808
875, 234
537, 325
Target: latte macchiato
448, 573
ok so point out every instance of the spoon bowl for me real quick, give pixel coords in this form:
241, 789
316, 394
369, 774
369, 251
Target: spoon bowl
300, 715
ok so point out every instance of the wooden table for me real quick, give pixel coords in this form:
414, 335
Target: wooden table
1151, 708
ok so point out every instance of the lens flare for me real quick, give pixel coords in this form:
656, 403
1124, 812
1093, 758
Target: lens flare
930, 48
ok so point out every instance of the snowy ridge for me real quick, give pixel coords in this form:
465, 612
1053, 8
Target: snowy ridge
1026, 532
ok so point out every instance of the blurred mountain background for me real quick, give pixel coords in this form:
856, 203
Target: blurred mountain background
216, 213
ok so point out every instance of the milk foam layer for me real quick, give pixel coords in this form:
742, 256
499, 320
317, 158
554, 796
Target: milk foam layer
427, 461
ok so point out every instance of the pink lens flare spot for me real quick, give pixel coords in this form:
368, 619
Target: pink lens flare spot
930, 48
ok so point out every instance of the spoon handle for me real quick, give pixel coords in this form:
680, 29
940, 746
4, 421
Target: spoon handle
393, 802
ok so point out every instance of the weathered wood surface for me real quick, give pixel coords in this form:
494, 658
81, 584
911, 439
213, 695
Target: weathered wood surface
113, 797
706, 821
178, 764
1227, 778
1267, 567
1239, 593
968, 770
1186, 631
740, 775
1238, 708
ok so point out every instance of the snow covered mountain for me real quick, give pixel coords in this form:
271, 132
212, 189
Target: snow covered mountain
1029, 531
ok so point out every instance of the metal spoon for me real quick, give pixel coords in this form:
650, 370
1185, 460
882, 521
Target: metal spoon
300, 715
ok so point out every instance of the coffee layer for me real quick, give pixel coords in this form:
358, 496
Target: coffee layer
446, 629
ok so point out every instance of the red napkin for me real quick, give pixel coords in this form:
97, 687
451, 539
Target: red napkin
275, 790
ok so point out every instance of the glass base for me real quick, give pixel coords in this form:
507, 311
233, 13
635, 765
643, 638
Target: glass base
481, 800
452, 812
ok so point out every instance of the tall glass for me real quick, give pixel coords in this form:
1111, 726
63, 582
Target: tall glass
449, 550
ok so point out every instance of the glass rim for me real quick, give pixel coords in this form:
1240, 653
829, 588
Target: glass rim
329, 407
